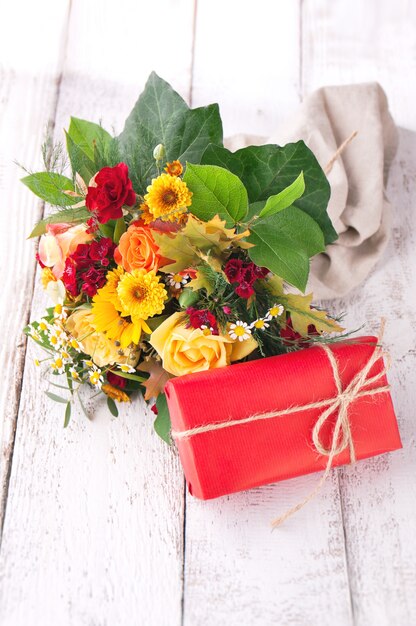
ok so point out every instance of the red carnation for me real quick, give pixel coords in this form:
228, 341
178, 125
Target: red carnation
232, 270
115, 380
112, 189
202, 318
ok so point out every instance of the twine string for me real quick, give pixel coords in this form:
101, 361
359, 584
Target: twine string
341, 435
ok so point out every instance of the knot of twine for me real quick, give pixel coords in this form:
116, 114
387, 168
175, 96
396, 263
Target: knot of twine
341, 436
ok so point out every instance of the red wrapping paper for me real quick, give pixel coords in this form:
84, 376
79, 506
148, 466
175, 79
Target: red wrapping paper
237, 458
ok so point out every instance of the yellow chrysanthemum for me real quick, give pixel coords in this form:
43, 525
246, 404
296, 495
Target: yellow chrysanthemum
114, 393
141, 294
46, 277
168, 197
107, 319
174, 169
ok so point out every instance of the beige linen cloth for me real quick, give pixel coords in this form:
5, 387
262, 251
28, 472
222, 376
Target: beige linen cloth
358, 207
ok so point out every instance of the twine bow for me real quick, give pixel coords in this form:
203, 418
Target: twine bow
341, 436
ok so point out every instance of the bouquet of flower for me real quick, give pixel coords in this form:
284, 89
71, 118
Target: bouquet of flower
166, 254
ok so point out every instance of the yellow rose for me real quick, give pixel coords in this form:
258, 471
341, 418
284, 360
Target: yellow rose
102, 350
187, 350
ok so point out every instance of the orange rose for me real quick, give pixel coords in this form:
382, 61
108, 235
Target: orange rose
138, 250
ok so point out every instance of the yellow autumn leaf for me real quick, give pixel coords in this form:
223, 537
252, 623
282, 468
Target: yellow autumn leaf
302, 315
198, 241
201, 282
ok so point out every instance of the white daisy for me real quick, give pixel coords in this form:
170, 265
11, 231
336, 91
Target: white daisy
75, 344
74, 373
275, 311
177, 281
240, 330
95, 377
127, 369
34, 333
261, 323
58, 365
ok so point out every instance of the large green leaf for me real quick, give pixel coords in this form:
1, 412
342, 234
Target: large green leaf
285, 198
68, 216
50, 187
90, 147
284, 242
216, 191
268, 170
161, 116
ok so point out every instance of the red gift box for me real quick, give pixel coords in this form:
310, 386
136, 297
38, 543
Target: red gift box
238, 456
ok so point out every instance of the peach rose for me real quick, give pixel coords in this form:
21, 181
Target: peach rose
187, 350
138, 250
59, 241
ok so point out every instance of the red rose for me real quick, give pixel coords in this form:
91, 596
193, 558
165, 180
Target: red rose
112, 189
115, 380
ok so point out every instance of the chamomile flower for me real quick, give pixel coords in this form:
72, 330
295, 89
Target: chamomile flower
59, 312
127, 369
177, 281
89, 363
75, 344
44, 326
240, 330
65, 356
260, 324
34, 333
36, 362
275, 311
95, 377
74, 373
207, 330
58, 365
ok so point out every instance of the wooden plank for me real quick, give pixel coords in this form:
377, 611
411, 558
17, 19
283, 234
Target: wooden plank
27, 103
351, 42
247, 60
236, 570
379, 495
94, 524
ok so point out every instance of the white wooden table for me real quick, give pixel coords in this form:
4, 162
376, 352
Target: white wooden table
97, 527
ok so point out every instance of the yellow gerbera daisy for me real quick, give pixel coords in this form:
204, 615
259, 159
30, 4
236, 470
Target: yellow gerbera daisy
141, 294
168, 197
110, 288
107, 319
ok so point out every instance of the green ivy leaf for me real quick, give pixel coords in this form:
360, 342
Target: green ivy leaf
268, 170
162, 423
68, 216
284, 242
89, 147
161, 116
285, 198
216, 191
50, 187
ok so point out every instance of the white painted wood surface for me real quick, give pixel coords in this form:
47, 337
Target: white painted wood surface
97, 529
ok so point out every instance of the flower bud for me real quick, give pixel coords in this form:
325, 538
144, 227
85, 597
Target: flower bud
188, 297
159, 153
